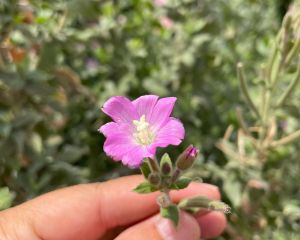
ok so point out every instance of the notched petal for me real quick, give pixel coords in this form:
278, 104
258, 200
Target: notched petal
120, 109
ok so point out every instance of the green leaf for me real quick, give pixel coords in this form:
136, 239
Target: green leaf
5, 198
145, 187
171, 213
166, 164
181, 183
145, 169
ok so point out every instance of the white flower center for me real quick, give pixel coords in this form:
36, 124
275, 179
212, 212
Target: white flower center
143, 134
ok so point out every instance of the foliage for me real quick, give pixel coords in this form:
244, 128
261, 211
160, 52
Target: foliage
171, 212
5, 198
262, 146
60, 60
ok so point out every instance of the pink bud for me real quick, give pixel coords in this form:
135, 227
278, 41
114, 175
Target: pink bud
192, 151
187, 158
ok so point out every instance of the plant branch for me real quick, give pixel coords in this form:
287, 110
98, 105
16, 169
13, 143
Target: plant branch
292, 137
242, 121
290, 88
273, 58
244, 88
292, 53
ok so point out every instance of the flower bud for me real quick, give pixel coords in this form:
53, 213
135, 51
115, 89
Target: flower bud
166, 165
154, 179
219, 206
203, 202
166, 168
187, 158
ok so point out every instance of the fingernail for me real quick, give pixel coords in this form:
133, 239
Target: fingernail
187, 228
166, 229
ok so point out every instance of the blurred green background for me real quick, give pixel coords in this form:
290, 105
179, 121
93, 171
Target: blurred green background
60, 61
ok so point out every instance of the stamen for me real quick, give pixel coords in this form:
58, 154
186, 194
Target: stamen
143, 134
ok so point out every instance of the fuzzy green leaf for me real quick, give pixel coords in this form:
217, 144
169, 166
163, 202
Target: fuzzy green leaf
181, 183
145, 187
171, 212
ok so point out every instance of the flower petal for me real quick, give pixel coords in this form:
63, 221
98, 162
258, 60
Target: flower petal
134, 158
113, 128
144, 105
120, 109
121, 147
161, 112
172, 133
117, 145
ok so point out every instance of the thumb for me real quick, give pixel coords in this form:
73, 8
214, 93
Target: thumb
158, 228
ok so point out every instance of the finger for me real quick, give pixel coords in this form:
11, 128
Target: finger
157, 228
92, 209
211, 224
87, 211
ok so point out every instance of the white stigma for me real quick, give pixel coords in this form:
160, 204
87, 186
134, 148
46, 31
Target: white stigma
143, 134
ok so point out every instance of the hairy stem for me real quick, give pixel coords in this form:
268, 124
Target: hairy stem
164, 200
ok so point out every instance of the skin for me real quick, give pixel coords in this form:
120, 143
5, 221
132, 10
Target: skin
109, 210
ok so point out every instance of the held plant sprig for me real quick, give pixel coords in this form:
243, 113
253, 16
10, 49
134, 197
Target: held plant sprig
139, 127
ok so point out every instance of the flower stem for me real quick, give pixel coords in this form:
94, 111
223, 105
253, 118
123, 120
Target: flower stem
164, 199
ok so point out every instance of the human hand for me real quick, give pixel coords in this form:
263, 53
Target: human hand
109, 210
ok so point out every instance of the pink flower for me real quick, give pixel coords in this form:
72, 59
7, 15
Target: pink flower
166, 22
139, 127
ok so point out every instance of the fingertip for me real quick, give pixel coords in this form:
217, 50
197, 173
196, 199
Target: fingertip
211, 224
188, 228
158, 228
